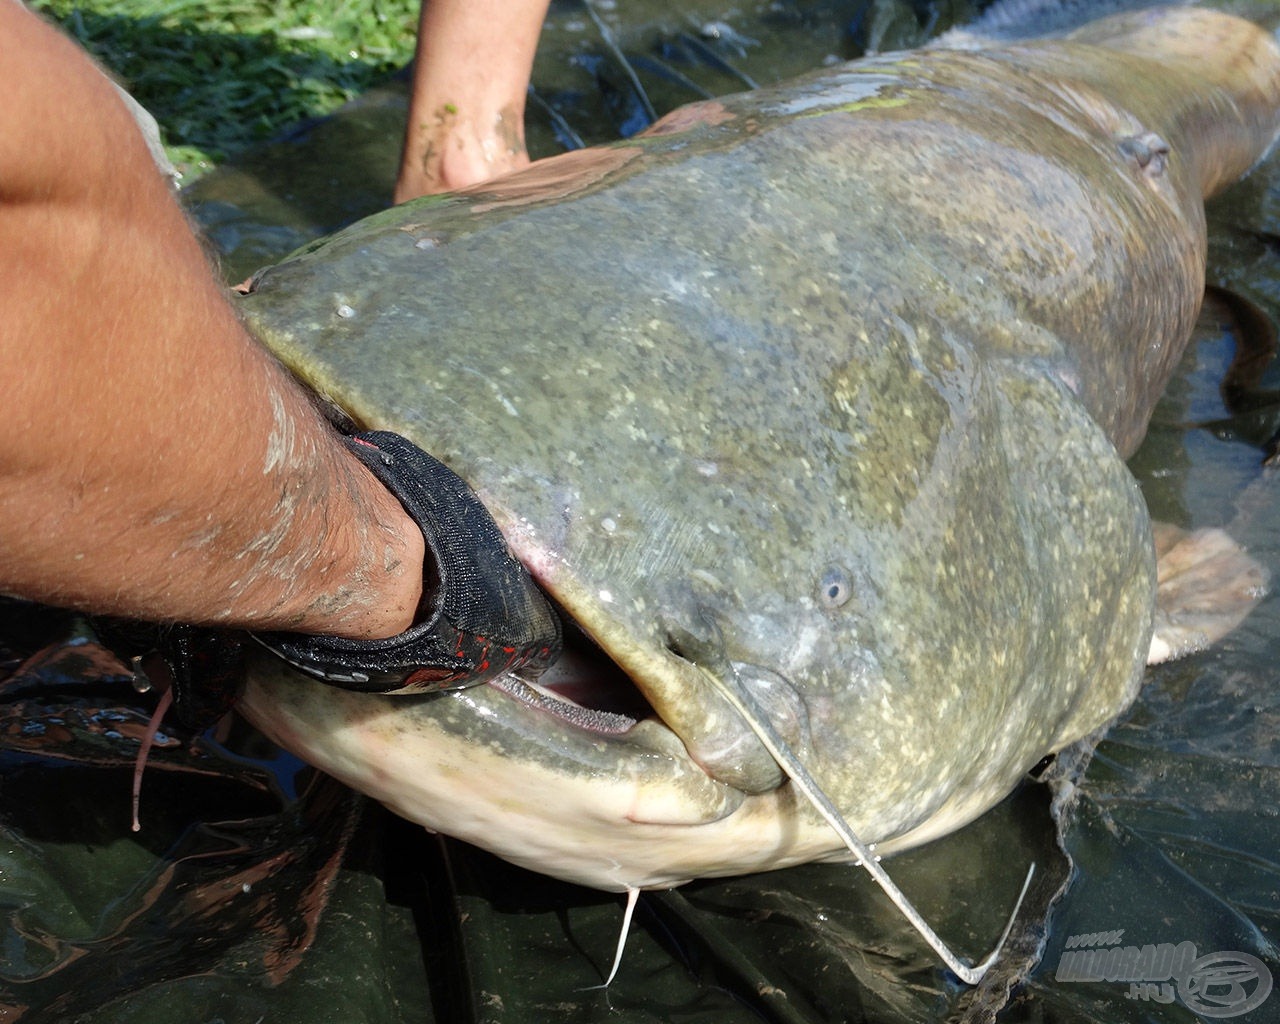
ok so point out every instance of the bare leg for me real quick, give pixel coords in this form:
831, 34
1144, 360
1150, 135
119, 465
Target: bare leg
466, 111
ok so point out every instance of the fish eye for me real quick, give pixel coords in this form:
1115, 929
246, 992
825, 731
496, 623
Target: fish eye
835, 587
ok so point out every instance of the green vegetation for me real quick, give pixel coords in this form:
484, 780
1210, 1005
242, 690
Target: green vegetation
221, 74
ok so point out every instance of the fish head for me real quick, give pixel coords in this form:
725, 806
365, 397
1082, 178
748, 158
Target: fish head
878, 580
887, 625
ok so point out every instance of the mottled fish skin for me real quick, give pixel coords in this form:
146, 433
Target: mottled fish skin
827, 387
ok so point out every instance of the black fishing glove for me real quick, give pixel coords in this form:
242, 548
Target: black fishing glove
484, 615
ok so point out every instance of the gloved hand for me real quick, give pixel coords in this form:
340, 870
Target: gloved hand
486, 616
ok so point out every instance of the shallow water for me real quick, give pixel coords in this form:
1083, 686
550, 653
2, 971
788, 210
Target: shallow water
1173, 831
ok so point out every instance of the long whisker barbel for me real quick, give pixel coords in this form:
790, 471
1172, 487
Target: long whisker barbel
745, 705
615, 51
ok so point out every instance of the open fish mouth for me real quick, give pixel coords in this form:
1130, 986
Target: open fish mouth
654, 677
592, 696
595, 772
537, 695
583, 688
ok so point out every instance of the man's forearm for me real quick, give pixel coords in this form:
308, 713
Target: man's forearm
156, 462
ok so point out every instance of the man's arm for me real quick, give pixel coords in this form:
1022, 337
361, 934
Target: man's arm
155, 461
466, 110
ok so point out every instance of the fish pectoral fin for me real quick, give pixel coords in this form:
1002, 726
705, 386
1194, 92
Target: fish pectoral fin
1206, 585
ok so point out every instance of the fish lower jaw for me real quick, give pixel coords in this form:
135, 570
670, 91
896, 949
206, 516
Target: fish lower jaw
640, 815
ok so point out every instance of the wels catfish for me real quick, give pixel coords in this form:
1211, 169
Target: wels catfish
822, 393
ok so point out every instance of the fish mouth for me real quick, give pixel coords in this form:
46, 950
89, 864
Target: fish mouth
596, 696
665, 652
581, 773
583, 687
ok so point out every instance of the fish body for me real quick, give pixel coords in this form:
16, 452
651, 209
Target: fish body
824, 392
